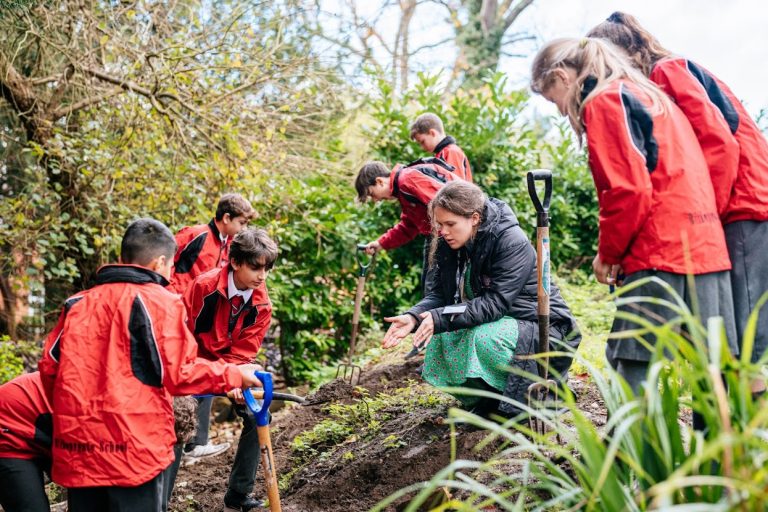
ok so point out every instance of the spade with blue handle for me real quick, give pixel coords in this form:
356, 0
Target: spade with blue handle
258, 401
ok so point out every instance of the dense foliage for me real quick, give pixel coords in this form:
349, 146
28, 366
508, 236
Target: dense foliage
502, 143
155, 110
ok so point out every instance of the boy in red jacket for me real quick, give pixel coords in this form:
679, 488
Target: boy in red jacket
25, 444
119, 352
204, 246
229, 312
427, 130
200, 249
414, 187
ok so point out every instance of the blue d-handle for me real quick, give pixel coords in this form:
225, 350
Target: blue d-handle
260, 410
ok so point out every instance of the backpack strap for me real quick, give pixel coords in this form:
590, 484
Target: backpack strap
434, 161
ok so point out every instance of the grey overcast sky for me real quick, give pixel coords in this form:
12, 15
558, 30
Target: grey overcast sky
729, 37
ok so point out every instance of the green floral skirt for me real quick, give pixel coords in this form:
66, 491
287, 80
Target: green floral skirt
466, 356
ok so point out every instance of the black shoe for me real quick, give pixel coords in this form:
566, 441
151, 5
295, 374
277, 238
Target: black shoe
485, 407
237, 502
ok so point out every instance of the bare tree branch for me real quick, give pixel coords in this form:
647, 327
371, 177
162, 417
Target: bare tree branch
515, 12
85, 103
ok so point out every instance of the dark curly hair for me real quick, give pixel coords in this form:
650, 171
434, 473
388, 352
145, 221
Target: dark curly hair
185, 418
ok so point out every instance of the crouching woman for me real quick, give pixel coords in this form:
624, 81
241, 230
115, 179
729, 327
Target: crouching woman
479, 314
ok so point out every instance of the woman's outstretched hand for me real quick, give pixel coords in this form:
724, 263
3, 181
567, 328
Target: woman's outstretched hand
424, 333
401, 326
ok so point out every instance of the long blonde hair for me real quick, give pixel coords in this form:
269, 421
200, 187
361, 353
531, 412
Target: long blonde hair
594, 59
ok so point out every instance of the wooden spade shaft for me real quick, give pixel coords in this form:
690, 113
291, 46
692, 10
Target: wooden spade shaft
270, 474
543, 265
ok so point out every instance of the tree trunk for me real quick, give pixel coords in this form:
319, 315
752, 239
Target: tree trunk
8, 317
480, 41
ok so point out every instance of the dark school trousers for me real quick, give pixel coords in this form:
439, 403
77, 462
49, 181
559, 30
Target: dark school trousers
748, 248
712, 291
243, 473
426, 271
22, 486
170, 474
203, 423
147, 497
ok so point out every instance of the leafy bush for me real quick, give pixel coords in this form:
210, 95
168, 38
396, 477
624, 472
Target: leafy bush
502, 144
11, 362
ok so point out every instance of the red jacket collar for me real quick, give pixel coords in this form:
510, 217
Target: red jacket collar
122, 273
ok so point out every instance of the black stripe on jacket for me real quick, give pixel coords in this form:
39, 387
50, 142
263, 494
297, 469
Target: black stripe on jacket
716, 95
640, 123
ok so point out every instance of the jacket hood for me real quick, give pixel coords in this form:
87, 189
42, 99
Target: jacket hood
447, 141
128, 274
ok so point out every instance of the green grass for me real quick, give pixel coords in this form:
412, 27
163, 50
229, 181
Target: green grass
591, 304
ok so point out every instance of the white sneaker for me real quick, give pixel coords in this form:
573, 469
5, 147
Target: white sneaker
203, 451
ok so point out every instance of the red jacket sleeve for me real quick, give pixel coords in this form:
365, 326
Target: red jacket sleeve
192, 299
183, 372
623, 183
415, 191
402, 233
49, 362
706, 106
248, 343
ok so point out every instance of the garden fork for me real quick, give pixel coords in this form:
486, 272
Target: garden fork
348, 371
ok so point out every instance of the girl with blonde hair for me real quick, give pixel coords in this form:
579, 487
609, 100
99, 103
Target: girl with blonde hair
736, 152
657, 205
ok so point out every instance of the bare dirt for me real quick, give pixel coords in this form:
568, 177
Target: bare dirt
338, 483
365, 471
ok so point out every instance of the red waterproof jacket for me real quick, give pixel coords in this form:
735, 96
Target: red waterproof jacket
200, 249
448, 151
736, 150
657, 206
414, 187
26, 424
235, 338
109, 368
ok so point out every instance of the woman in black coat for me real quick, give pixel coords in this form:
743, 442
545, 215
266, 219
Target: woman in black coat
480, 308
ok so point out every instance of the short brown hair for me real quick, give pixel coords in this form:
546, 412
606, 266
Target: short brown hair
254, 247
366, 177
235, 205
426, 122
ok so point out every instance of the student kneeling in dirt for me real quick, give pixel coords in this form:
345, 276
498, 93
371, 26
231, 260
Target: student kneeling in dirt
229, 312
485, 270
